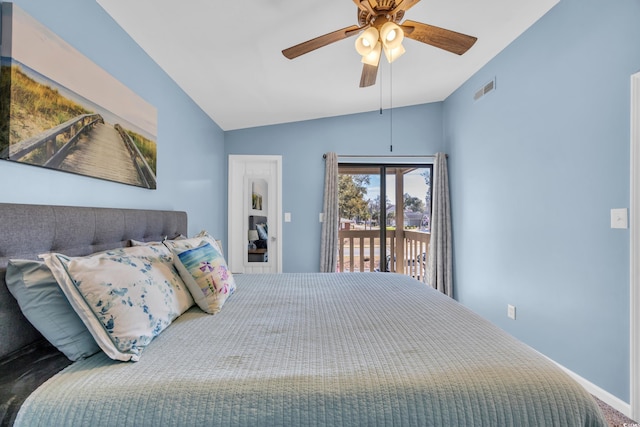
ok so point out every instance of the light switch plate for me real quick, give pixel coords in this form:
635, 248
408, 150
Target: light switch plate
287, 217
619, 218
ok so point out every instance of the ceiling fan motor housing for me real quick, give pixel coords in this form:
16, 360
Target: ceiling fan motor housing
365, 18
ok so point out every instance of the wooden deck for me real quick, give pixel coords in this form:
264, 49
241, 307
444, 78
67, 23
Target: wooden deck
103, 154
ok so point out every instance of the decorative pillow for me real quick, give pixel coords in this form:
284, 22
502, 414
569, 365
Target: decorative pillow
45, 306
262, 231
183, 295
134, 242
205, 272
219, 244
124, 296
193, 242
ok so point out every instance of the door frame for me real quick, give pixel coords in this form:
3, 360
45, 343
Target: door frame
381, 166
634, 249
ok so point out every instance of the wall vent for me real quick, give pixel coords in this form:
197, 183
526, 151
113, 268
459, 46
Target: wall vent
485, 90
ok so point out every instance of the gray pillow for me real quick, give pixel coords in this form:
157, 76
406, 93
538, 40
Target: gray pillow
47, 308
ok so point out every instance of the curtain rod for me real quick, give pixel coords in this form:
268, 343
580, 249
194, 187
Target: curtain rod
324, 156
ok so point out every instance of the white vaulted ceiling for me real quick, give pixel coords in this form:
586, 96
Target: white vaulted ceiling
227, 55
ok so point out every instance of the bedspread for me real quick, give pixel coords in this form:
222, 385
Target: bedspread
320, 349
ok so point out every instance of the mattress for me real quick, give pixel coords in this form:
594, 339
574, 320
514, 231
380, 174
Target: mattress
320, 349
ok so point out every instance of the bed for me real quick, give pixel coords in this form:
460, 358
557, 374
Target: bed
284, 349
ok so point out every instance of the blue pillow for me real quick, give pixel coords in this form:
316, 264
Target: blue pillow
46, 307
262, 231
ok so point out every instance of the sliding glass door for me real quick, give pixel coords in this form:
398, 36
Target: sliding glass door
384, 217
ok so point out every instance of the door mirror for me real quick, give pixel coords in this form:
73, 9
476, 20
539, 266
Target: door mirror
258, 234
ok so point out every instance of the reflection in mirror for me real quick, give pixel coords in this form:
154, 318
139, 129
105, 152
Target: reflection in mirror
258, 231
258, 237
258, 193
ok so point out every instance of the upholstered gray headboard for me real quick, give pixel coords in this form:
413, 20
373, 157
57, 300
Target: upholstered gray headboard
29, 230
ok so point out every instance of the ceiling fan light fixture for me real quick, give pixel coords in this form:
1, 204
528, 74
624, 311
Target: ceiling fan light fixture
381, 26
393, 54
391, 35
367, 41
373, 57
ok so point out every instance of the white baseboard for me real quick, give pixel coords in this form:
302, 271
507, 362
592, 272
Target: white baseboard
598, 392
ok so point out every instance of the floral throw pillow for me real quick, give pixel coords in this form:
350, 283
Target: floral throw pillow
125, 296
205, 272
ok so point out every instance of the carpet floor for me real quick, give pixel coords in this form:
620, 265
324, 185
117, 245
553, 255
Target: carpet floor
614, 417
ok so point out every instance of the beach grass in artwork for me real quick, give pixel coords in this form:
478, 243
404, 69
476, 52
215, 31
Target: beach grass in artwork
33, 108
61, 111
147, 148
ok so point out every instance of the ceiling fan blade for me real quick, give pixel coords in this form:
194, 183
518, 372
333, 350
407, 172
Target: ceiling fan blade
448, 40
369, 74
318, 42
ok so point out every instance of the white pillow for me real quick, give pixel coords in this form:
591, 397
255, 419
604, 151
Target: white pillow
207, 276
184, 298
124, 296
193, 242
134, 242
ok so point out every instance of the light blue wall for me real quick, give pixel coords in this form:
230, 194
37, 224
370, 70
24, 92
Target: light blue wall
191, 162
535, 168
416, 131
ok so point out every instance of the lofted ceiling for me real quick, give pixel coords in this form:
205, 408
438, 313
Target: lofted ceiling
227, 55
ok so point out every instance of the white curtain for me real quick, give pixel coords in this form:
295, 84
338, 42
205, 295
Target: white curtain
329, 236
439, 271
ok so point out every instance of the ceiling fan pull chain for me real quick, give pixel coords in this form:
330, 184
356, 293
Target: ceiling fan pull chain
390, 108
380, 79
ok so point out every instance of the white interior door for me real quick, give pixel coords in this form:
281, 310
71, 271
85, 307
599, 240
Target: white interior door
255, 211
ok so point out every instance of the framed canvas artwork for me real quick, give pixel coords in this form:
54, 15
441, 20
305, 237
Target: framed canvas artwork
59, 110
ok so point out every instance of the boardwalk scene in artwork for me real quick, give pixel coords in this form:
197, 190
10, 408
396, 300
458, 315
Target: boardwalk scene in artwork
69, 114
105, 142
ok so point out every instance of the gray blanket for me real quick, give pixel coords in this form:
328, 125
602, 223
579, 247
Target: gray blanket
320, 349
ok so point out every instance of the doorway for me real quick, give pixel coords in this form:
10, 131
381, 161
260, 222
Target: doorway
385, 212
635, 247
255, 211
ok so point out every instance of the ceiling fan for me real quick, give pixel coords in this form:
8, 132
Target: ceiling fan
379, 23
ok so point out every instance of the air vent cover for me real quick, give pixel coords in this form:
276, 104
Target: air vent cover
484, 90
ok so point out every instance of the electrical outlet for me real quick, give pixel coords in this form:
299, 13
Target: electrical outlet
511, 311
